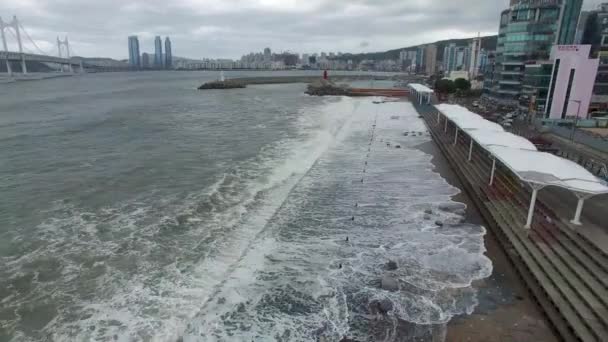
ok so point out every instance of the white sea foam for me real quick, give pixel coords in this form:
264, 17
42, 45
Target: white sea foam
255, 256
297, 292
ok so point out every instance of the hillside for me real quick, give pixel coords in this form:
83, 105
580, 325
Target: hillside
488, 43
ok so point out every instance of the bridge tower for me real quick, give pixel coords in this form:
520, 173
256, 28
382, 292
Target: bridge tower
65, 43
14, 24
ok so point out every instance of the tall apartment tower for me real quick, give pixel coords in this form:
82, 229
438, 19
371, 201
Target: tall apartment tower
134, 60
168, 54
158, 52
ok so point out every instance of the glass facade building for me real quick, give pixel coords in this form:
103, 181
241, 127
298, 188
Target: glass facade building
536, 81
158, 52
168, 54
527, 31
456, 58
420, 59
595, 33
570, 14
134, 60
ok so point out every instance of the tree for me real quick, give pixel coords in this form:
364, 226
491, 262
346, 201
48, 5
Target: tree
445, 86
462, 84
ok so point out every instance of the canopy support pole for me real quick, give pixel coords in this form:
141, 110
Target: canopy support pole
579, 208
535, 189
471, 150
445, 129
456, 137
429, 98
493, 171
438, 117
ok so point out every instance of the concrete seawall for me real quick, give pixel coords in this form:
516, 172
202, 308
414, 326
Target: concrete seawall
565, 272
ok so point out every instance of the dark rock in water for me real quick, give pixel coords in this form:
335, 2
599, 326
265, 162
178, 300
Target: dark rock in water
390, 284
427, 217
397, 146
451, 207
428, 211
222, 85
439, 223
241, 308
385, 306
346, 339
391, 265
221, 300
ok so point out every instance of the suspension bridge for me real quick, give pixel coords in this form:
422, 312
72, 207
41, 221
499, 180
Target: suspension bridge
21, 57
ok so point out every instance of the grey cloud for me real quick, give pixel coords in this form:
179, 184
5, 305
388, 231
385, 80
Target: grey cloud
230, 28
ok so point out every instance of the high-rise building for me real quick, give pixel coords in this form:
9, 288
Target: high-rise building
430, 59
582, 24
305, 59
420, 59
267, 55
475, 57
455, 58
158, 52
168, 54
594, 31
571, 10
145, 60
449, 58
134, 52
528, 29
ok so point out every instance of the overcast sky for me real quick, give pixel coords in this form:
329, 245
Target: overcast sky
230, 28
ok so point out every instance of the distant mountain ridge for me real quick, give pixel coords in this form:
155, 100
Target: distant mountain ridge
488, 42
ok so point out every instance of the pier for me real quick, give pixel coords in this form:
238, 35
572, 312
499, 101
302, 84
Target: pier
562, 261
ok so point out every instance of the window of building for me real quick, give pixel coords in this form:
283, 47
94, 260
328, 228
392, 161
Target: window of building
548, 14
568, 91
552, 88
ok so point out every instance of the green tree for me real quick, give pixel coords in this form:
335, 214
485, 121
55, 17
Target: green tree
462, 84
445, 86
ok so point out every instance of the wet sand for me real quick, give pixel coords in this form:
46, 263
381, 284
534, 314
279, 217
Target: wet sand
506, 311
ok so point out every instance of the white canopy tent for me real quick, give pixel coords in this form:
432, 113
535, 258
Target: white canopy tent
495, 138
538, 169
423, 93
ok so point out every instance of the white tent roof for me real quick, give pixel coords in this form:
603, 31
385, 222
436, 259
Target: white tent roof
546, 168
467, 120
521, 156
492, 138
421, 88
472, 123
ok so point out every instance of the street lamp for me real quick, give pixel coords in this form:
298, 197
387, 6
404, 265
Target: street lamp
578, 109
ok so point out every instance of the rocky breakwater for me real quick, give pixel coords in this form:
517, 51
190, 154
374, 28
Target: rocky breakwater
327, 88
222, 85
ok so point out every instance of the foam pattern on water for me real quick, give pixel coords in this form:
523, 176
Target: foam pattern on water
293, 288
256, 255
140, 270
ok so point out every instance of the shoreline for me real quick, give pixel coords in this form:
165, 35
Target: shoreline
506, 310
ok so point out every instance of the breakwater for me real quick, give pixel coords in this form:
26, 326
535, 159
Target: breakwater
311, 79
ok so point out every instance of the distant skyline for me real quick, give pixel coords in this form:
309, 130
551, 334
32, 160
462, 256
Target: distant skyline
232, 28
